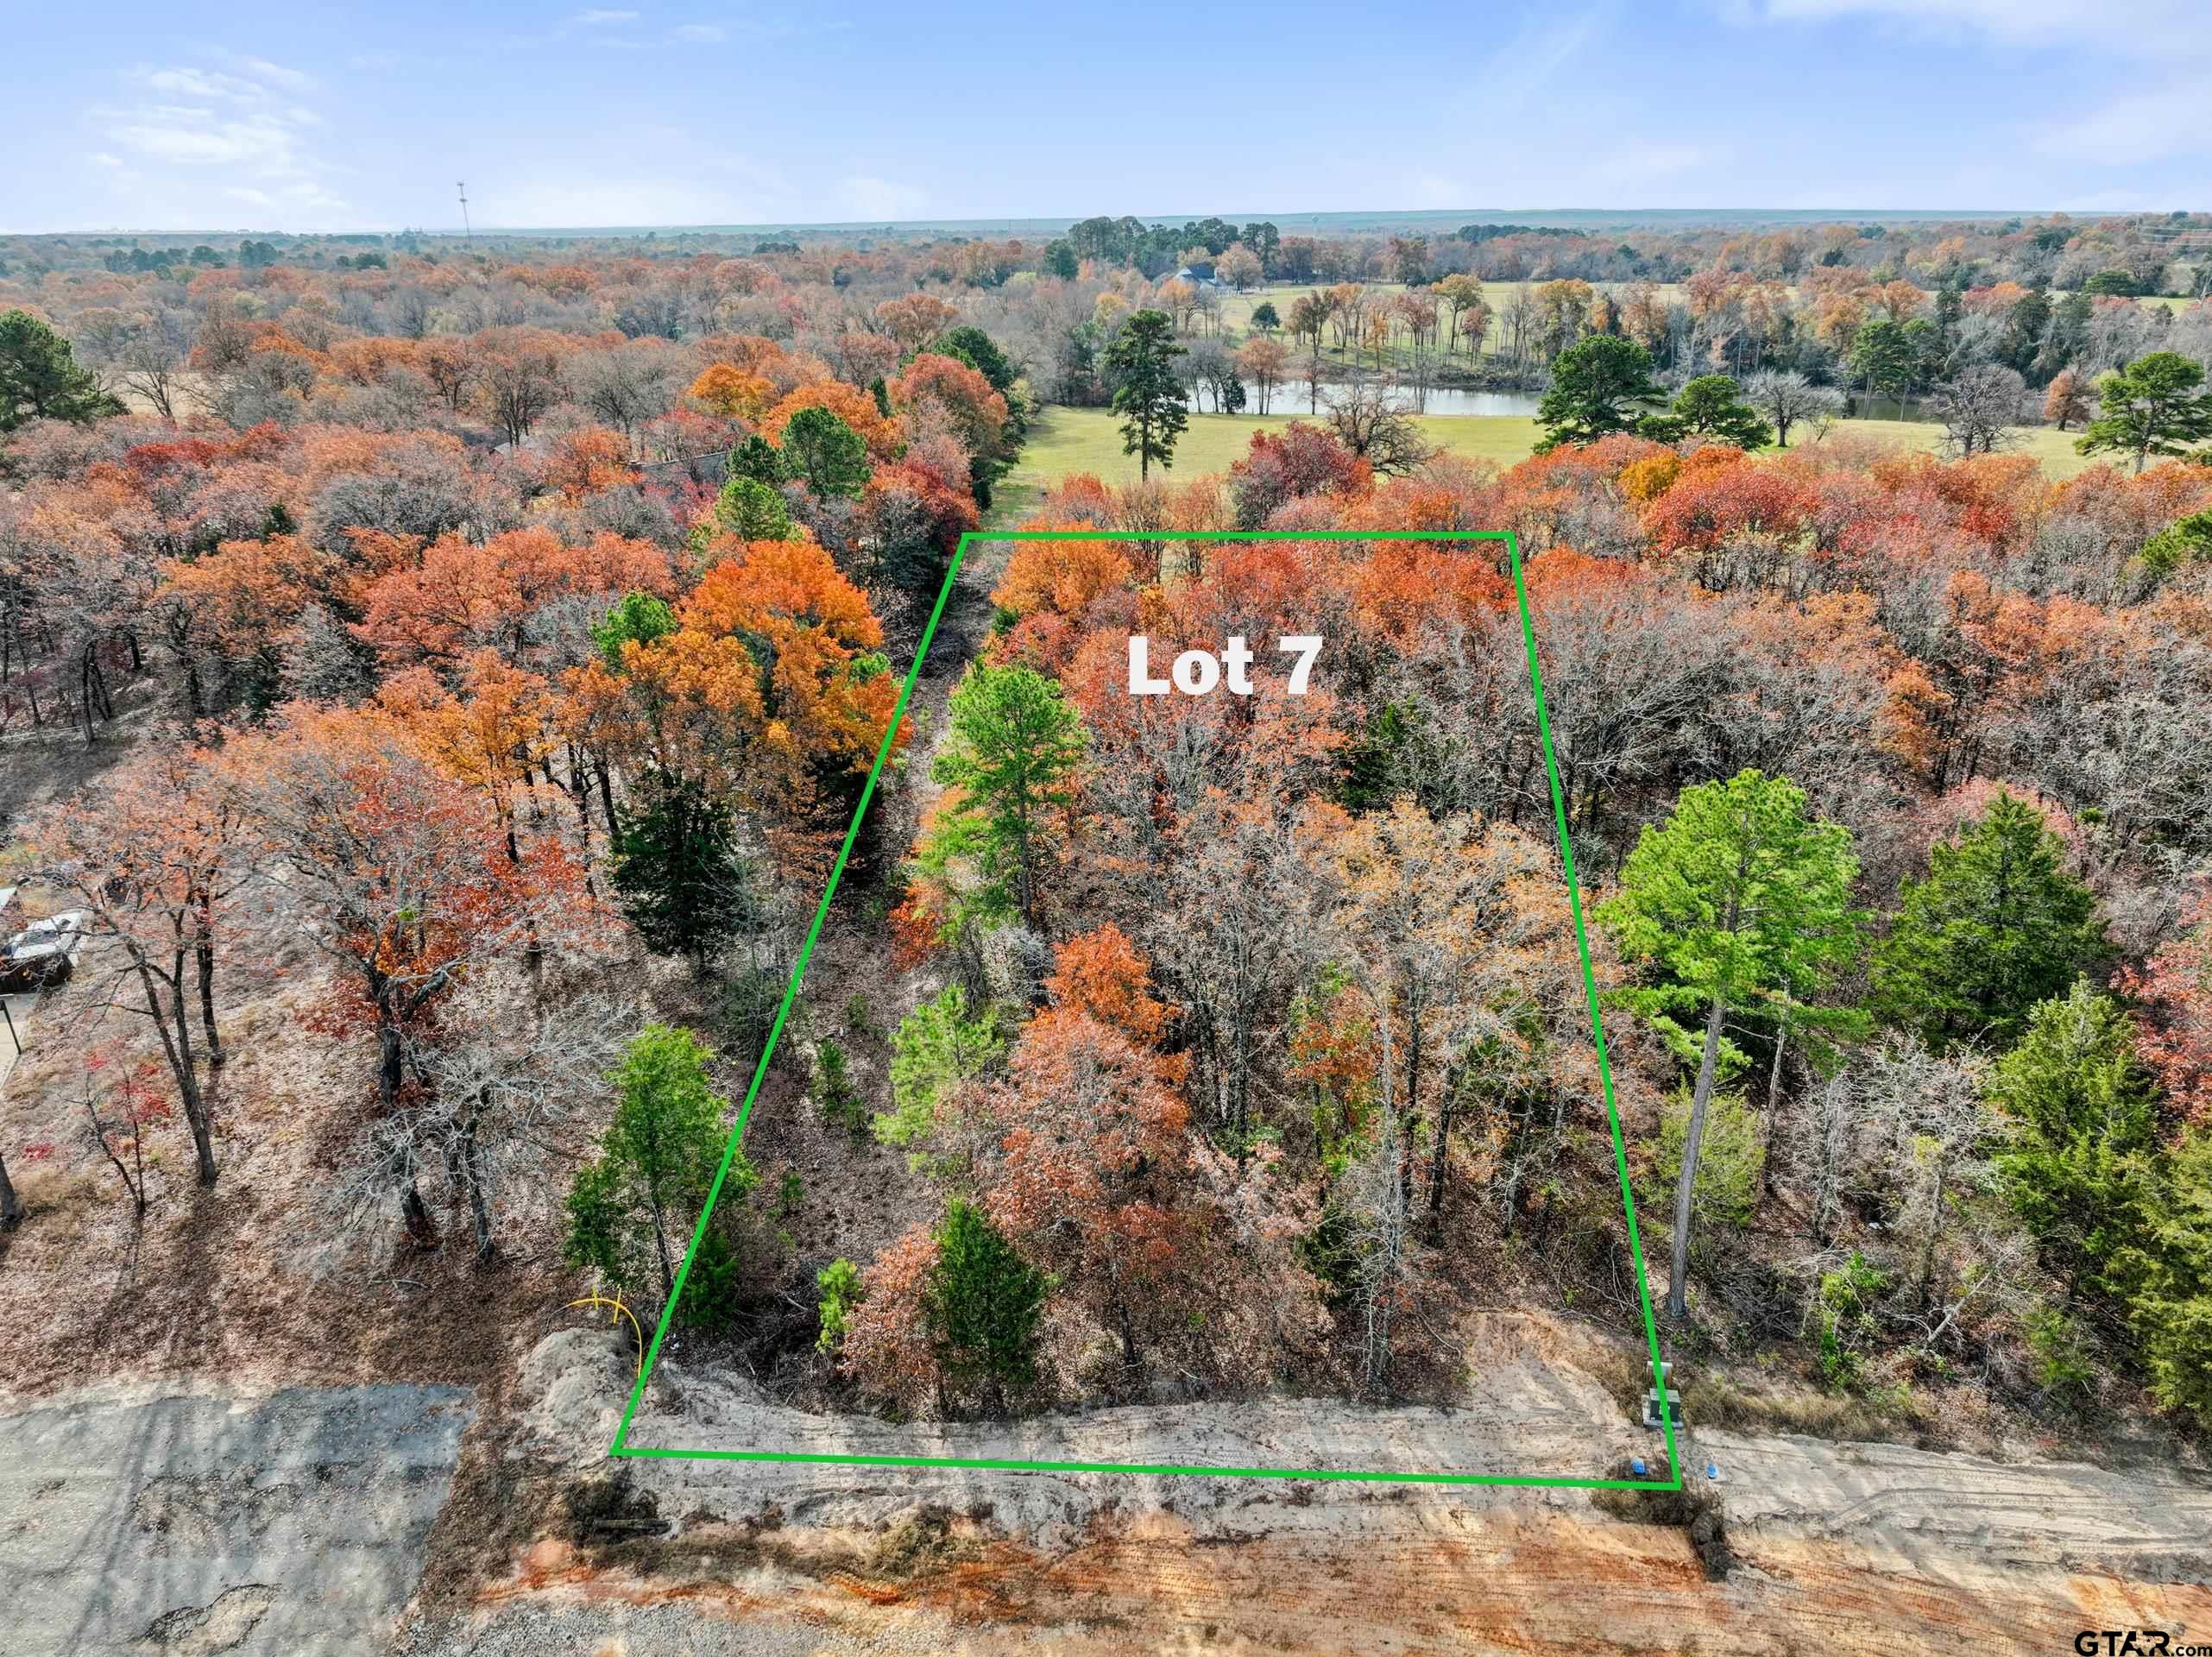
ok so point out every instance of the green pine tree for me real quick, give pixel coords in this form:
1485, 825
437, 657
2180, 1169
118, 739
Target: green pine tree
632, 1211
1710, 406
758, 459
1599, 386
820, 448
1141, 364
1015, 742
2152, 407
677, 871
2083, 1126
1739, 903
639, 619
981, 1307
754, 511
1996, 927
39, 379
935, 1048
2172, 1310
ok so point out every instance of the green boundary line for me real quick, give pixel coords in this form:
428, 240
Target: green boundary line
621, 1445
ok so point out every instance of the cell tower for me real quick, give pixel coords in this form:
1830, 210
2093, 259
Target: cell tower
466, 234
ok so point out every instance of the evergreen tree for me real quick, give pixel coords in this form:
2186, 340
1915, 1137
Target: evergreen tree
935, 1048
820, 448
1710, 406
754, 511
758, 459
677, 871
1883, 358
1996, 927
970, 344
39, 379
2152, 407
1598, 385
2022, 340
2172, 1311
2077, 1168
981, 1306
1739, 903
1141, 363
639, 619
632, 1211
1015, 742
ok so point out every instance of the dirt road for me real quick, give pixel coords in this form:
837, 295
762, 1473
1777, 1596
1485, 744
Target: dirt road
1838, 1547
289, 1525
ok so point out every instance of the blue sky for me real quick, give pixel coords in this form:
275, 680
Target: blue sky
300, 115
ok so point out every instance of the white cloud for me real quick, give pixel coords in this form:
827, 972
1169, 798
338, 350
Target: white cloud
879, 198
249, 128
275, 74
701, 33
597, 18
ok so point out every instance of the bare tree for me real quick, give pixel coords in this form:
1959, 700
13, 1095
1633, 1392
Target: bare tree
1376, 427
1787, 398
627, 385
1979, 407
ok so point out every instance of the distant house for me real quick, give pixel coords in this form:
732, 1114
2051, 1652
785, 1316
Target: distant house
1200, 275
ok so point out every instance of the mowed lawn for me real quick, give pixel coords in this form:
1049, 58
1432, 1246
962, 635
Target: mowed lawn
1067, 440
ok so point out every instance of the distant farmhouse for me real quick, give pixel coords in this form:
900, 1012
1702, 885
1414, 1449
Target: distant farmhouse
1200, 275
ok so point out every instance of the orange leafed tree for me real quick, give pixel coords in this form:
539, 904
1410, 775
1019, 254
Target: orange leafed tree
408, 875
771, 686
734, 392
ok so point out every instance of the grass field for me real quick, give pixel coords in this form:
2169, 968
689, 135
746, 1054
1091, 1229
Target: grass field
1067, 440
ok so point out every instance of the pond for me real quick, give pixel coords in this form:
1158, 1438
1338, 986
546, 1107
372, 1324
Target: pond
1291, 398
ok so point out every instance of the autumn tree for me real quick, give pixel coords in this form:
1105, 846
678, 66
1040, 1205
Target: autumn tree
1264, 360
518, 374
2175, 990
409, 876
2066, 400
1979, 406
1146, 393
1739, 902
1785, 398
1379, 429
1087, 1133
771, 686
153, 858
